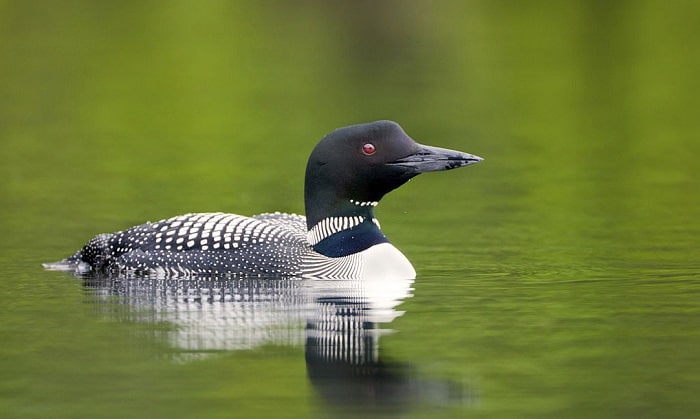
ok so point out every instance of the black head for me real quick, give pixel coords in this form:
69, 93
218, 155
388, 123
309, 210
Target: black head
361, 163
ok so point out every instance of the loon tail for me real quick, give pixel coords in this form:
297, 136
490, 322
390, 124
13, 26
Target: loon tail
70, 264
92, 256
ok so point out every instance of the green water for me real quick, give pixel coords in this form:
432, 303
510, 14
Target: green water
558, 278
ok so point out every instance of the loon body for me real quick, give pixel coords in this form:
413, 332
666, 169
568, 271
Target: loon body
347, 174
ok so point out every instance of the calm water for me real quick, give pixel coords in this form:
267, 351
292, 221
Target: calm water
559, 278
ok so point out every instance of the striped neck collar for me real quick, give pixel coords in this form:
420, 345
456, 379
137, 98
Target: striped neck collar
332, 225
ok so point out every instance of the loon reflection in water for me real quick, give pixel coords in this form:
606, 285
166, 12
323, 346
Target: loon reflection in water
339, 323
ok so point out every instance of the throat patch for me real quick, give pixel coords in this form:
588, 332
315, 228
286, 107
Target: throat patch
352, 240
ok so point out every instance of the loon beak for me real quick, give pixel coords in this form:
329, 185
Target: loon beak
433, 159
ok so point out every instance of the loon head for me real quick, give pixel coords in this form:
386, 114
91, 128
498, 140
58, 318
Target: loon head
353, 167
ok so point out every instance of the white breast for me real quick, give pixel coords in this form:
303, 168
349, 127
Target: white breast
384, 261
379, 262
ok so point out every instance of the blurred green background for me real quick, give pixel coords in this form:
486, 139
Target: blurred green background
560, 277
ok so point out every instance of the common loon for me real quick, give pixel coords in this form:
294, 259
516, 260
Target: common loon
347, 174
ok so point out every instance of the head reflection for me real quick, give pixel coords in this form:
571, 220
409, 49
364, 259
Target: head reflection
342, 344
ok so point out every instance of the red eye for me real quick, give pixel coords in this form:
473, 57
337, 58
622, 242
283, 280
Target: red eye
369, 149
